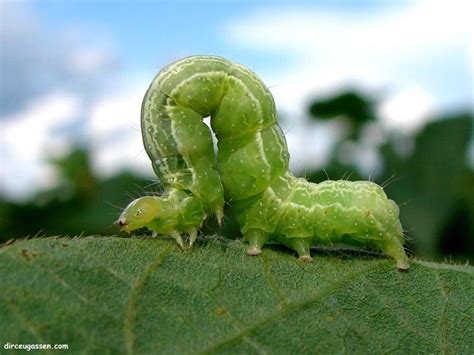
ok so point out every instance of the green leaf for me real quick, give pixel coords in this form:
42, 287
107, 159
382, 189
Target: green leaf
144, 296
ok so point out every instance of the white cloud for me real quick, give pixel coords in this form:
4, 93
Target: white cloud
310, 143
90, 61
388, 28
49, 79
393, 46
114, 133
29, 136
36, 59
407, 110
414, 57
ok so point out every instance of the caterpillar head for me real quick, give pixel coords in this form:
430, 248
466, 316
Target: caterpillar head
139, 213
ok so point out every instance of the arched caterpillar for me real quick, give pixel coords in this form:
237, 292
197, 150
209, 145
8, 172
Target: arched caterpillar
251, 170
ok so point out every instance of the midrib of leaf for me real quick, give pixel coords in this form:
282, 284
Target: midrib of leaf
443, 319
135, 292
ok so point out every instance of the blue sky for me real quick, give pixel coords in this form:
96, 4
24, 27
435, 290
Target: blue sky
148, 34
144, 29
75, 72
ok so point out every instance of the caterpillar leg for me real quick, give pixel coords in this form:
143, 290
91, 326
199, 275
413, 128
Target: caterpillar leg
220, 216
394, 248
192, 233
256, 239
176, 236
192, 236
302, 246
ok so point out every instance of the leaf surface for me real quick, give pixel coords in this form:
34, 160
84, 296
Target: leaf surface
143, 296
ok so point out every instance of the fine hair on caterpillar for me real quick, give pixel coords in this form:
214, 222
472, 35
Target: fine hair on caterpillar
249, 170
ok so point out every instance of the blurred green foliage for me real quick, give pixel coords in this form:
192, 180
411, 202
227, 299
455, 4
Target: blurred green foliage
432, 182
351, 106
80, 204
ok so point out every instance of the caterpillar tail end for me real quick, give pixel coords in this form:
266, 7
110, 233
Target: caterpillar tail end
403, 265
394, 249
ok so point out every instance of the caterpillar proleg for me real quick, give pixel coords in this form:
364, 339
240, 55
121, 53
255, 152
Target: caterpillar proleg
250, 170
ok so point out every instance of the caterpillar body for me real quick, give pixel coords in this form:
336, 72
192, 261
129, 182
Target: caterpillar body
250, 170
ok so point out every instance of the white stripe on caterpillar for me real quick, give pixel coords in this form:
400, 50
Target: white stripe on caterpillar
251, 170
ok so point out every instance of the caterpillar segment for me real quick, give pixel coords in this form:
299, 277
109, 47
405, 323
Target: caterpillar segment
250, 170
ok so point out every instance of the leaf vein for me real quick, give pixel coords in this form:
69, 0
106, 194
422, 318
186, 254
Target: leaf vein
135, 292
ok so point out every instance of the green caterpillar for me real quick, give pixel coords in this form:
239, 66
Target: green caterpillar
250, 170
